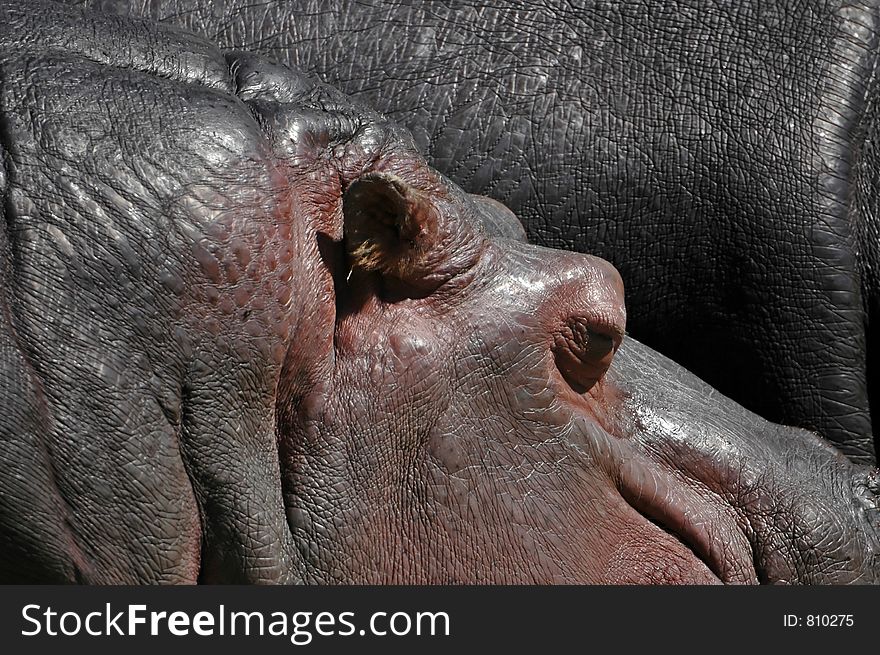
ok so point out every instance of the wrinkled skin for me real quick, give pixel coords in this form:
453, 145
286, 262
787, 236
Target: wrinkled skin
723, 157
250, 336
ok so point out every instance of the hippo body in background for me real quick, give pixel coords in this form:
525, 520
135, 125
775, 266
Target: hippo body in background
722, 156
249, 335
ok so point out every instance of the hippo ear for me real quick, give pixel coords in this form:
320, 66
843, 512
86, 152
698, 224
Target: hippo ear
401, 232
385, 220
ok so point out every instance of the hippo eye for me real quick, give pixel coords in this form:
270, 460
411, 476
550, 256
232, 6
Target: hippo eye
598, 345
583, 353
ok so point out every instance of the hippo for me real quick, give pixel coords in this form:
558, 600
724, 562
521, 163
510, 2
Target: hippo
249, 335
723, 158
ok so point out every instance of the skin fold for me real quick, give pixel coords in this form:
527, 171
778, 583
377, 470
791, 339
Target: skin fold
721, 156
250, 335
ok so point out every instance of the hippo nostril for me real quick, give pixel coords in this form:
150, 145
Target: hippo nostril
583, 353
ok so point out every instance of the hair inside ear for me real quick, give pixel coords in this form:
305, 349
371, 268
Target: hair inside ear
388, 225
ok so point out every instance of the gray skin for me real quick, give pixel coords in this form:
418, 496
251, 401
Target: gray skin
723, 157
249, 335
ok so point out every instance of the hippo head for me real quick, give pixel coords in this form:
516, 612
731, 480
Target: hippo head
454, 402
451, 420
